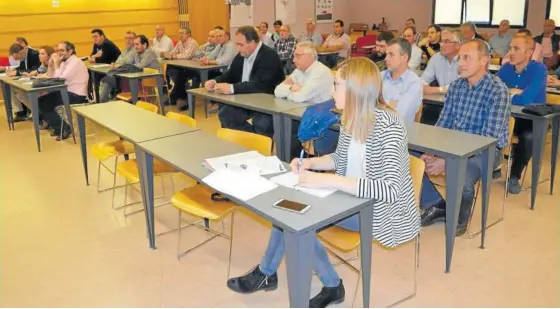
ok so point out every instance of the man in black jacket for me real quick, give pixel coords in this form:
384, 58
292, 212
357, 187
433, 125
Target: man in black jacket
103, 51
550, 55
256, 69
28, 61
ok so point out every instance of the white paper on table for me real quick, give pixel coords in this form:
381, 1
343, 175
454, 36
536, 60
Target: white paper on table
291, 180
242, 185
251, 161
268, 165
220, 163
101, 65
3, 74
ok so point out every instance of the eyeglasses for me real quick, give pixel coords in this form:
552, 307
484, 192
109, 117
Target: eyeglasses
60, 50
448, 42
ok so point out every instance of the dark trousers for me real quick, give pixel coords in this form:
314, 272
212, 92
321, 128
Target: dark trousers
179, 78
523, 151
23, 112
236, 118
430, 114
196, 78
49, 102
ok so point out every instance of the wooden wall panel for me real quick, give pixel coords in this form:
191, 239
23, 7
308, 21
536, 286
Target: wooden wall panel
204, 15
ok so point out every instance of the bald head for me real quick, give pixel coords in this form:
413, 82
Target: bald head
473, 59
549, 26
212, 37
160, 31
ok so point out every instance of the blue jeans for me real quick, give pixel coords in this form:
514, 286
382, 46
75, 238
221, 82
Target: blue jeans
323, 267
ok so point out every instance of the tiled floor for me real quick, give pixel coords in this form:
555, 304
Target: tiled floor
63, 246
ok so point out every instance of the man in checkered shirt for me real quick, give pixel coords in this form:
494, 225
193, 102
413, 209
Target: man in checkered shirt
476, 103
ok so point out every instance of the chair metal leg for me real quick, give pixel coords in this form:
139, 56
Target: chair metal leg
416, 266
179, 236
230, 242
98, 176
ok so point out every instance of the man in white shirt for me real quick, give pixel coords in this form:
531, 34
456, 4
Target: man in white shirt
409, 34
161, 43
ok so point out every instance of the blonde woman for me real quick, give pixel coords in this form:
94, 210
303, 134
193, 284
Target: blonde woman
371, 161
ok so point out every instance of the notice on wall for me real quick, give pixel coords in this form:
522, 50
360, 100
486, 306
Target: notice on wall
286, 11
241, 13
55, 3
324, 11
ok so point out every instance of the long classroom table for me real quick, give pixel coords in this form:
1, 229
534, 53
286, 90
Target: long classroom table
299, 229
540, 127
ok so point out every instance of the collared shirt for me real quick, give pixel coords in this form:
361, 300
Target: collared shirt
439, 68
275, 36
127, 56
335, 39
248, 64
434, 46
224, 54
208, 47
163, 45
185, 50
532, 80
316, 83
482, 109
314, 38
75, 72
500, 43
407, 90
537, 55
418, 38
415, 58
13, 62
547, 47
147, 59
285, 47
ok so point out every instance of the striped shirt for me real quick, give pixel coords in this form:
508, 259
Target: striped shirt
482, 109
285, 47
185, 50
387, 179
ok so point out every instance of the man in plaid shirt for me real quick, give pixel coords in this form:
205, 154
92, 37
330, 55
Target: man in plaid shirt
285, 47
476, 103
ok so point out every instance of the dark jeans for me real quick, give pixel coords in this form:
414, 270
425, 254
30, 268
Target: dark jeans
236, 118
330, 60
180, 78
430, 114
523, 151
49, 102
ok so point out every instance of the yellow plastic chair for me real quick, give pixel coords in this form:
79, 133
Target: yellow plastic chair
346, 241
105, 150
200, 201
129, 169
552, 98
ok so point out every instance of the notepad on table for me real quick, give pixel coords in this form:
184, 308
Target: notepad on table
240, 184
250, 161
291, 180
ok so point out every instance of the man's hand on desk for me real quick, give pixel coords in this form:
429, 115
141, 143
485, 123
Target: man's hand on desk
209, 85
223, 88
204, 61
11, 73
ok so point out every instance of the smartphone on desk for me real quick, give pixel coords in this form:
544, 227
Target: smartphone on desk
291, 206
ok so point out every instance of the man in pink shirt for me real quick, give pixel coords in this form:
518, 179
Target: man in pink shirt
74, 71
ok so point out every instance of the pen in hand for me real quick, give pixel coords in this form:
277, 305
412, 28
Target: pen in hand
300, 163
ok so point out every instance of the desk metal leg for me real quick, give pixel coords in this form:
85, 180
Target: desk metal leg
203, 79
159, 83
539, 133
366, 220
455, 173
133, 89
66, 102
287, 141
7, 93
190, 102
279, 138
486, 174
83, 148
555, 133
94, 86
146, 172
299, 264
33, 101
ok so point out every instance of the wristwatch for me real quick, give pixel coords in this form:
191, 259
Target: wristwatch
440, 89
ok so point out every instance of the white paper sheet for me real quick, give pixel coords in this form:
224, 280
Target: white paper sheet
101, 65
251, 161
291, 180
242, 185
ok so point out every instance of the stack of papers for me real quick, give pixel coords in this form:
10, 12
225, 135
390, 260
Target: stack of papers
291, 180
101, 65
251, 162
240, 184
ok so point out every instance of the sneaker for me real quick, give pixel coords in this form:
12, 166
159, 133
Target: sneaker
252, 282
328, 296
514, 187
461, 229
497, 174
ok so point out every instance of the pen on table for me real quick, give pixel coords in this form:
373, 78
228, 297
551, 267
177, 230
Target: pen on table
300, 160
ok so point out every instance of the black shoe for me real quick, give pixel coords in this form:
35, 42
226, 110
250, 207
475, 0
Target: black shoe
184, 107
461, 229
497, 174
432, 215
328, 296
252, 282
20, 118
65, 135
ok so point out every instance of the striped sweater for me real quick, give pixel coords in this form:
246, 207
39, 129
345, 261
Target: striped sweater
388, 181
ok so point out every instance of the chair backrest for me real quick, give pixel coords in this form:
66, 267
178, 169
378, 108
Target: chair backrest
150, 82
510, 134
4, 61
147, 106
417, 167
552, 98
495, 61
418, 115
355, 35
182, 119
253, 141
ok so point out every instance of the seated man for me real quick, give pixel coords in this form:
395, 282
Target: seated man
500, 42
409, 34
74, 71
402, 88
104, 50
256, 69
312, 82
381, 49
442, 68
129, 52
310, 34
526, 79
207, 48
161, 43
28, 61
185, 49
285, 46
477, 103
537, 53
264, 35
431, 44
336, 42
144, 57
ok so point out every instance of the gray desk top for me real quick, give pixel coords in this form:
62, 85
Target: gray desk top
439, 141
137, 75
553, 90
102, 70
179, 152
260, 102
326, 53
25, 85
194, 65
130, 122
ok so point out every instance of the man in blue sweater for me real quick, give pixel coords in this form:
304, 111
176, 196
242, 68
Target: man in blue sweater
526, 80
